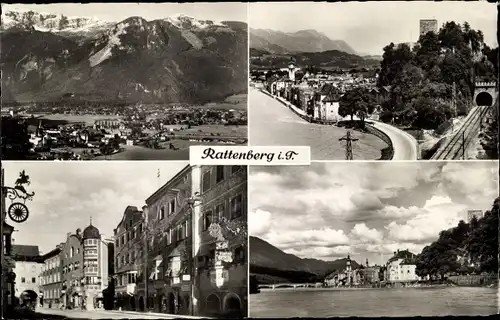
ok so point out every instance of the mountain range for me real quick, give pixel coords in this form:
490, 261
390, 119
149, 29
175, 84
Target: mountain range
278, 42
270, 265
177, 59
332, 59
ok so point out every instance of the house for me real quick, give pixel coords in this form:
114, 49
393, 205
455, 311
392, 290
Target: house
401, 268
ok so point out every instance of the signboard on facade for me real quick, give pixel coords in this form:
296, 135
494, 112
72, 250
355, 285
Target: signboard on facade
186, 288
221, 245
223, 256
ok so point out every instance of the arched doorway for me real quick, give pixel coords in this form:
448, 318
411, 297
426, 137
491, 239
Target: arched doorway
141, 304
232, 305
29, 298
171, 303
132, 303
212, 305
484, 99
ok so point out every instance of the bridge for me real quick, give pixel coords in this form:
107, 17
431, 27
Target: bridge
457, 145
289, 285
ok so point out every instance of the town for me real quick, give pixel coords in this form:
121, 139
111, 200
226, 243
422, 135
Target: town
407, 269
45, 131
435, 115
184, 253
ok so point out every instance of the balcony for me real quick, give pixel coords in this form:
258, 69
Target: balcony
127, 288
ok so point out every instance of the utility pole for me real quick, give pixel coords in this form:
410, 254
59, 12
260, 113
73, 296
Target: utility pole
348, 147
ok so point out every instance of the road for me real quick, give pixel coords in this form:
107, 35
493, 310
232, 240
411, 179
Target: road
404, 144
274, 124
108, 314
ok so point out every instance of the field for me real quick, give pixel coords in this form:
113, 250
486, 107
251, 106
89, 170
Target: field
237, 102
88, 119
221, 130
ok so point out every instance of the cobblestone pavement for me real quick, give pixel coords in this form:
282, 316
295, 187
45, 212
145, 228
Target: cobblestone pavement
108, 314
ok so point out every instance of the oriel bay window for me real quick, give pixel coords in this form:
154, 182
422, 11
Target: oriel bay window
236, 207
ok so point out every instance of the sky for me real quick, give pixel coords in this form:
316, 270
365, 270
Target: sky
369, 26
149, 11
67, 194
366, 209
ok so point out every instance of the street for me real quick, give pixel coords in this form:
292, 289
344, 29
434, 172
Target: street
109, 314
405, 146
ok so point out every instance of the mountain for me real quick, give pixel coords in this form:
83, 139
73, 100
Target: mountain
300, 41
177, 59
373, 57
260, 58
270, 264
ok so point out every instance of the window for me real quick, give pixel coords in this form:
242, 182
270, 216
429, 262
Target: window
118, 242
207, 220
219, 212
205, 182
33, 280
161, 215
23, 280
78, 251
123, 240
133, 234
127, 258
171, 206
72, 252
169, 237
219, 174
123, 260
235, 169
236, 208
188, 228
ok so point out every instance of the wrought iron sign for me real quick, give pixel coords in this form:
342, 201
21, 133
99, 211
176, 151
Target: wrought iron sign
18, 211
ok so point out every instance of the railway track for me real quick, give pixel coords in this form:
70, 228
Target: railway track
459, 143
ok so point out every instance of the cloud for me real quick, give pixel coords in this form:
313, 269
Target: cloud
260, 222
67, 194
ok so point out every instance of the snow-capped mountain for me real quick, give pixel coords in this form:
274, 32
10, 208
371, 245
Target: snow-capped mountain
177, 59
182, 21
51, 22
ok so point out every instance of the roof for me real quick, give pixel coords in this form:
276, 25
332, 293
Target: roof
166, 186
91, 232
51, 254
25, 250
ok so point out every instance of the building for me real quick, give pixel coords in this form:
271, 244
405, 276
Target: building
8, 275
401, 268
370, 274
72, 273
128, 257
51, 283
85, 268
95, 267
428, 25
169, 268
221, 257
28, 266
474, 213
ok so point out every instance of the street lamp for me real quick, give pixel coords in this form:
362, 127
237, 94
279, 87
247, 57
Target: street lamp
17, 212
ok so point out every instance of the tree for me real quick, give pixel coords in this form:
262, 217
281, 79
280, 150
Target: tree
358, 101
15, 139
63, 22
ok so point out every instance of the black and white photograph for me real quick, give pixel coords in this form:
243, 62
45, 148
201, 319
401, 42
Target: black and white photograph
122, 81
374, 239
123, 240
376, 80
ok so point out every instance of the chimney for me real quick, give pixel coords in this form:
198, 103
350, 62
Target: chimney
395, 252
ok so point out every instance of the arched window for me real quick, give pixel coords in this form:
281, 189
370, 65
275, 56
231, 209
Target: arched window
72, 253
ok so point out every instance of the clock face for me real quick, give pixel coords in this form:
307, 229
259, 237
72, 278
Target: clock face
291, 65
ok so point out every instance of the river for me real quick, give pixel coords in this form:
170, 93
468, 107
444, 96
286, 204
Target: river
273, 124
405, 302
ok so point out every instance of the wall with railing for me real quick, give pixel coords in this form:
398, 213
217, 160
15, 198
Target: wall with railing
387, 153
